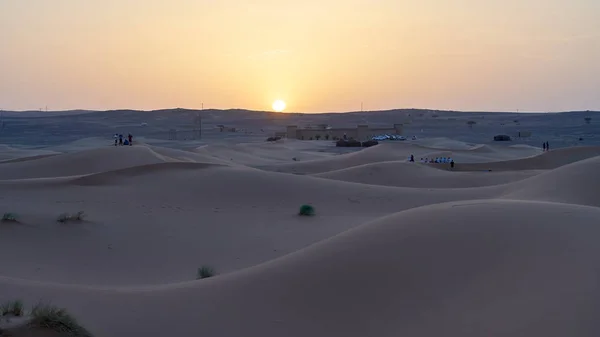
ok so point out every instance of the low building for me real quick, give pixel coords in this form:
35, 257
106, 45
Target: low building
361, 132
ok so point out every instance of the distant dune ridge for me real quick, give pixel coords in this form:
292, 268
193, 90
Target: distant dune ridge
505, 244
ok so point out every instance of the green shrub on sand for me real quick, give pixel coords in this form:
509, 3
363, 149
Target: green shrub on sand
14, 308
65, 217
9, 217
204, 272
47, 317
306, 210
42, 320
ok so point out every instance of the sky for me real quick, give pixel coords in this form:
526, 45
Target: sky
316, 55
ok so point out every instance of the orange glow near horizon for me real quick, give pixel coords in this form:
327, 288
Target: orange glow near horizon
320, 55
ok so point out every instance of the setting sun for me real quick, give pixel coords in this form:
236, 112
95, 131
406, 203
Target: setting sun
279, 105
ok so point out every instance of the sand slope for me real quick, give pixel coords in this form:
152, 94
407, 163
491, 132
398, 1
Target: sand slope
94, 161
406, 174
545, 161
157, 223
8, 153
576, 183
396, 248
469, 267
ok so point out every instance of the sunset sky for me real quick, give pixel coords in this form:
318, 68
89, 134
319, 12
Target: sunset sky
317, 56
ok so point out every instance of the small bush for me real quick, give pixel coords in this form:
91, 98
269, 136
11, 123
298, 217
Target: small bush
57, 320
9, 217
306, 210
65, 217
204, 272
14, 308
370, 143
348, 143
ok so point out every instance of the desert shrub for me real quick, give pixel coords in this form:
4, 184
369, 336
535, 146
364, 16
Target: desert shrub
501, 138
204, 272
306, 210
370, 143
58, 320
317, 137
588, 120
348, 143
14, 308
471, 123
354, 143
65, 217
9, 217
326, 137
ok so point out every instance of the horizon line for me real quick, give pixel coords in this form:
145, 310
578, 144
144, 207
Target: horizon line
293, 112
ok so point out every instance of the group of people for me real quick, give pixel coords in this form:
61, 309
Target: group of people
438, 160
120, 141
546, 146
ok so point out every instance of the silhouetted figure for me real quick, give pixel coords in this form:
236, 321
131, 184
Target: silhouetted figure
130, 138
547, 146
452, 164
116, 136
412, 158
544, 146
120, 139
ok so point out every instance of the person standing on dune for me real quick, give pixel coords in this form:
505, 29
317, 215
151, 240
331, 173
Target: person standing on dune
130, 138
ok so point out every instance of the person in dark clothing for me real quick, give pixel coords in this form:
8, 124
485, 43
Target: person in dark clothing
544, 146
120, 139
130, 138
412, 158
547, 146
452, 164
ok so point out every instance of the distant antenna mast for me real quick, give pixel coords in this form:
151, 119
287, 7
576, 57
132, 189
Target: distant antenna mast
197, 133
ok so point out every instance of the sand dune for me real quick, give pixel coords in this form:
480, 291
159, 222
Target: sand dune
255, 154
401, 151
383, 152
9, 153
396, 248
190, 214
575, 183
416, 175
544, 161
475, 268
94, 161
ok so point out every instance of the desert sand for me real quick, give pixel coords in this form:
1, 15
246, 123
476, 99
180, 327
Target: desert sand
503, 245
